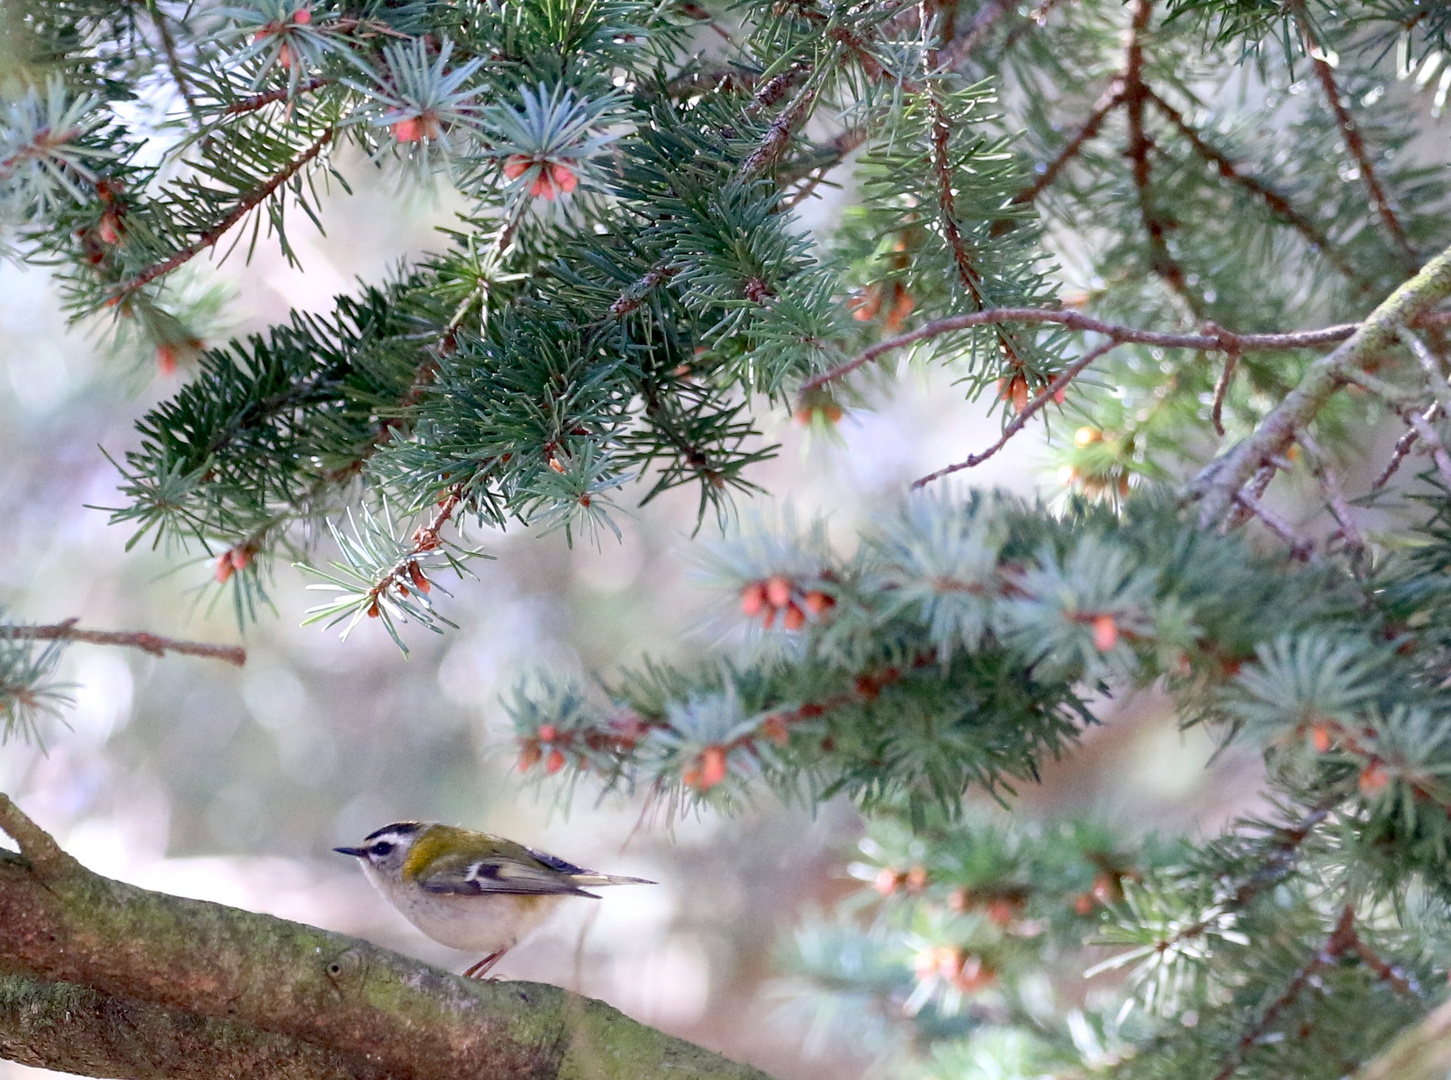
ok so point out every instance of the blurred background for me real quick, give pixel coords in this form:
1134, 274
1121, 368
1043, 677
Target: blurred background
197, 778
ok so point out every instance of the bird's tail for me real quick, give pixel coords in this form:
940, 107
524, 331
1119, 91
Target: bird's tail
590, 877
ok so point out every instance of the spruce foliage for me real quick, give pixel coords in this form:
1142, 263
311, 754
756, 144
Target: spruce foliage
1157, 225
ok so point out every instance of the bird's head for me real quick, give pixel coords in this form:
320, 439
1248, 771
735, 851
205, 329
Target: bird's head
385, 850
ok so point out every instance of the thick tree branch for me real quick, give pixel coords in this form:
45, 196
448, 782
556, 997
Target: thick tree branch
1421, 1053
1219, 482
72, 1029
181, 962
155, 644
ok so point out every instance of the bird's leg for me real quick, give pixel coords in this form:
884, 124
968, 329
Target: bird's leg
479, 970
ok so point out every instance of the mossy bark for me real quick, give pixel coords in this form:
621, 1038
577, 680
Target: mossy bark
182, 987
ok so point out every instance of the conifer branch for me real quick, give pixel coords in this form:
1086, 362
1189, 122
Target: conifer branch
251, 200
778, 135
1350, 133
1300, 547
1334, 491
155, 644
1220, 340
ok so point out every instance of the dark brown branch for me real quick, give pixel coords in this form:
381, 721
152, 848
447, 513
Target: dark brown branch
173, 59
1352, 137
345, 999
1156, 223
155, 644
1049, 392
1112, 99
1341, 941
241, 210
1277, 203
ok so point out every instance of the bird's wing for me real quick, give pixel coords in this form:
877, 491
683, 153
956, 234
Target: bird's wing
501, 872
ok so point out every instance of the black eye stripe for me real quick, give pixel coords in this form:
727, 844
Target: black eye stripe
382, 847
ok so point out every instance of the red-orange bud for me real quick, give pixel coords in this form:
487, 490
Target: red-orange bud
166, 359
529, 755
1105, 632
109, 229
302, 17
223, 571
778, 591
712, 767
1374, 779
774, 728
888, 880
1320, 737
819, 603
794, 618
753, 599
415, 574
554, 762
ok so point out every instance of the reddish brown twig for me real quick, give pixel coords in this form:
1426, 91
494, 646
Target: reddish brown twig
217, 231
1351, 136
1052, 390
1221, 389
1343, 940
258, 101
405, 574
155, 644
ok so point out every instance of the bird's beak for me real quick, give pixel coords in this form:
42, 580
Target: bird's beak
356, 852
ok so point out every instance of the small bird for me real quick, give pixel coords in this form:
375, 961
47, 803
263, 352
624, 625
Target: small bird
469, 890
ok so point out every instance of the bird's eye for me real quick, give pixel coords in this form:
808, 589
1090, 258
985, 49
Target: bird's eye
381, 848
